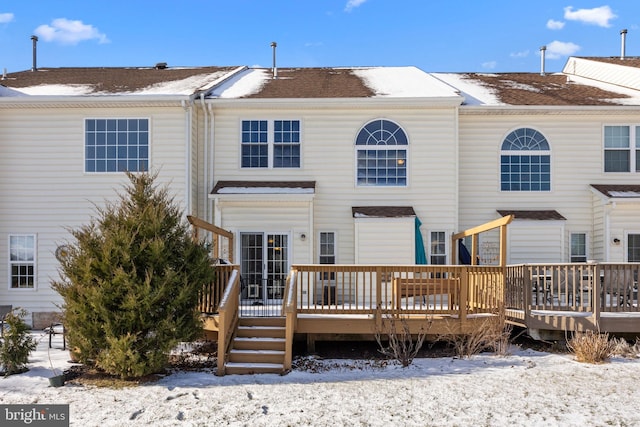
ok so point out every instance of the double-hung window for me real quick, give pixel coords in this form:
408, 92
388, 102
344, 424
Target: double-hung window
22, 261
621, 148
116, 145
381, 155
578, 247
438, 253
270, 144
327, 251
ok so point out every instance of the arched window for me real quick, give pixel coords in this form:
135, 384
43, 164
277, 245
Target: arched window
525, 162
381, 155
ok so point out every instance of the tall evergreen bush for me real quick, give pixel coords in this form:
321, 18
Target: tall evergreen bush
130, 282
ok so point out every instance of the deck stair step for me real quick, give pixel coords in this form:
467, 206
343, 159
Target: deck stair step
253, 368
258, 347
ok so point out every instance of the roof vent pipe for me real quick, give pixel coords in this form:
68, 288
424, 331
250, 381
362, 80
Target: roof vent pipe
34, 39
623, 42
542, 51
275, 69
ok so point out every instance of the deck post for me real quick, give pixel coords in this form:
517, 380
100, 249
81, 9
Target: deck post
598, 298
464, 296
527, 289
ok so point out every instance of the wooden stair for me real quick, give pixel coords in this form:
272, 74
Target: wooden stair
258, 347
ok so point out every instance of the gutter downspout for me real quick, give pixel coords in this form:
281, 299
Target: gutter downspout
205, 159
211, 160
187, 118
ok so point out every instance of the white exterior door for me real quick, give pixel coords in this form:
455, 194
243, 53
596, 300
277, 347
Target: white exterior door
264, 266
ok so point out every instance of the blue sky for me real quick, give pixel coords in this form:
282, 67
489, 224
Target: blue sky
438, 36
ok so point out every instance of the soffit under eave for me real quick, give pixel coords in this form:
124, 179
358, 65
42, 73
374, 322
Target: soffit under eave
91, 104
344, 103
502, 110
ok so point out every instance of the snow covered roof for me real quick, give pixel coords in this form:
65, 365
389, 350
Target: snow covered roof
535, 89
361, 82
584, 82
114, 81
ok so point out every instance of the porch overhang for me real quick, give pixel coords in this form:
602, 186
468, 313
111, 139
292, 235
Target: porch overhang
264, 190
534, 215
617, 193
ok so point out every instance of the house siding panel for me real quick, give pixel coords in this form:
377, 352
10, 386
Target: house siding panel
328, 157
45, 190
575, 139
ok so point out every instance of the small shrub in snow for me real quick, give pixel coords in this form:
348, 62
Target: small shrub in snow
16, 345
591, 347
493, 334
395, 340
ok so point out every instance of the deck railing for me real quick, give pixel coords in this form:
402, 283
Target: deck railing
411, 289
575, 287
228, 318
211, 293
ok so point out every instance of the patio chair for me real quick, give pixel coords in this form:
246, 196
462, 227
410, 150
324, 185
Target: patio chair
568, 282
4, 310
620, 284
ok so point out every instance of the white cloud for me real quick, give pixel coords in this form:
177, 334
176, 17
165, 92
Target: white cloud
555, 25
522, 54
69, 32
489, 65
352, 4
6, 17
313, 44
557, 49
599, 16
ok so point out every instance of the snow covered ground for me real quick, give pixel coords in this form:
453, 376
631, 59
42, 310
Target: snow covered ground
527, 388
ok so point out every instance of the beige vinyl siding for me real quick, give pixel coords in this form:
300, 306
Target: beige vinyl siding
576, 145
535, 242
278, 217
599, 229
45, 189
624, 219
385, 241
328, 157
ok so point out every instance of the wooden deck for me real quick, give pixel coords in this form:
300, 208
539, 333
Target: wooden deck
333, 302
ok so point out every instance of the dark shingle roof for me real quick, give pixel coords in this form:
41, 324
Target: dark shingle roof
314, 83
549, 89
540, 215
382, 211
108, 79
618, 190
241, 187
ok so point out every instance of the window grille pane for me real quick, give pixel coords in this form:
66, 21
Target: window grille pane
107, 134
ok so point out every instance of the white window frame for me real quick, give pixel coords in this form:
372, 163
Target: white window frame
586, 246
524, 153
361, 147
33, 262
84, 145
626, 243
335, 251
271, 144
632, 148
446, 248
335, 246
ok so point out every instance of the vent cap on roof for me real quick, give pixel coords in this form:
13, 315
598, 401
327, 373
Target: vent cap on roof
161, 65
